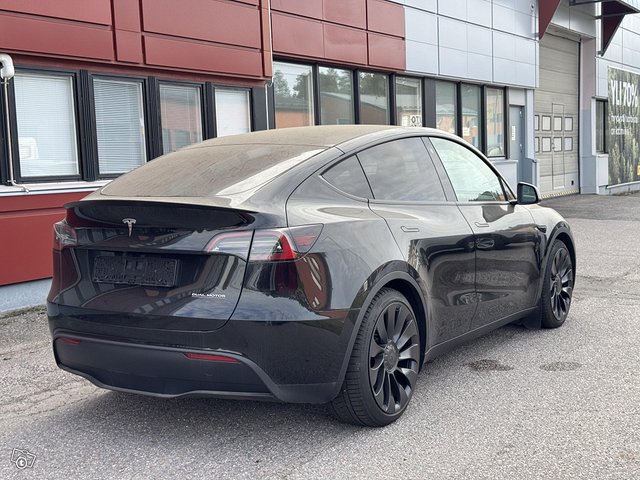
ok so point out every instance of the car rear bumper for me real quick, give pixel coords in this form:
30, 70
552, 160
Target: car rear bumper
297, 362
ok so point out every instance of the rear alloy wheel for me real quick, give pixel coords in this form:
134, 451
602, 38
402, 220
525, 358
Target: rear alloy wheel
384, 364
558, 287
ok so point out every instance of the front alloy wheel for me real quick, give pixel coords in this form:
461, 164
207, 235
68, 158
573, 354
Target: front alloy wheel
558, 286
384, 363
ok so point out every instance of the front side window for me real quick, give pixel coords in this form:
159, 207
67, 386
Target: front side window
472, 179
446, 106
495, 122
180, 115
408, 102
293, 91
471, 119
336, 96
233, 112
401, 170
119, 125
374, 98
46, 122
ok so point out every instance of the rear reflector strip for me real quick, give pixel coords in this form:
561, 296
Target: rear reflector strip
212, 358
72, 341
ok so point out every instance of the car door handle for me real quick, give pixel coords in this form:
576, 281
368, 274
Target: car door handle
409, 229
481, 224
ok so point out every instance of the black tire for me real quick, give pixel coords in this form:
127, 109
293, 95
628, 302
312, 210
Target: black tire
383, 367
557, 288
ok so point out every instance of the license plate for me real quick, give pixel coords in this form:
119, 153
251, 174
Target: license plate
152, 272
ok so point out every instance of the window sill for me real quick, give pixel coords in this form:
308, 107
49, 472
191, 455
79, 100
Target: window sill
52, 187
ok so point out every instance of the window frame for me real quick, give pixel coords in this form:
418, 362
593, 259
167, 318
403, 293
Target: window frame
149, 105
78, 120
314, 85
605, 127
204, 108
354, 93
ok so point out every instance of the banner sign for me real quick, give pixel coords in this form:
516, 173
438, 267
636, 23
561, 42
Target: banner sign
624, 127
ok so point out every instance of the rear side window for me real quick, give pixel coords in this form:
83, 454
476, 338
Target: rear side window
348, 177
402, 170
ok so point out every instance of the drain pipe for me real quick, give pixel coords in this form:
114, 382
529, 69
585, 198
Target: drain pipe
6, 73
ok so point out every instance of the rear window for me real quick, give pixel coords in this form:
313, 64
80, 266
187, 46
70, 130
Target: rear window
210, 171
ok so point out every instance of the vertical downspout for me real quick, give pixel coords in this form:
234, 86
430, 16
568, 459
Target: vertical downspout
270, 82
6, 73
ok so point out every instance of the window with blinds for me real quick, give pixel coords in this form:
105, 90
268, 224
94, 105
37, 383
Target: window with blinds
46, 123
233, 112
119, 125
180, 115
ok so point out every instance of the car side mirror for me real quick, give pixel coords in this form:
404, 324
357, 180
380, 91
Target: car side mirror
528, 194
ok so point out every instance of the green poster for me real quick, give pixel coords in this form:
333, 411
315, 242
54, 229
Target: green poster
624, 131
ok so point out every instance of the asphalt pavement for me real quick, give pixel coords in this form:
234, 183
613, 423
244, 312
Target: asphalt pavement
548, 404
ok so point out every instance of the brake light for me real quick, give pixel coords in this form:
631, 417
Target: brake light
212, 358
231, 243
282, 244
63, 236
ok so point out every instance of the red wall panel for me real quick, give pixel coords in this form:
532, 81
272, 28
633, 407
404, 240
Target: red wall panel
92, 11
345, 44
126, 15
297, 35
199, 56
386, 52
31, 35
306, 8
346, 12
385, 17
211, 20
128, 46
26, 225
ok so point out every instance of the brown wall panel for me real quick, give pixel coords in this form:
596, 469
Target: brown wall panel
386, 52
129, 46
92, 11
211, 20
306, 8
30, 35
346, 12
29, 220
297, 35
198, 56
385, 17
126, 15
345, 44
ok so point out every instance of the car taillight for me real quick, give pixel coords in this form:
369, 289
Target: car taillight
63, 236
231, 243
282, 244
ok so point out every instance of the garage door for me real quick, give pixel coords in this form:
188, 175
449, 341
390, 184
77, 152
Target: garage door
556, 121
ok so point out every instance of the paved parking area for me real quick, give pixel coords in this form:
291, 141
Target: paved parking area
513, 404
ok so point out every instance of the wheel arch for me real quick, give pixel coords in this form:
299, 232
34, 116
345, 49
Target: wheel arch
404, 283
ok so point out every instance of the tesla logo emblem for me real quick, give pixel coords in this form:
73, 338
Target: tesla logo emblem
129, 222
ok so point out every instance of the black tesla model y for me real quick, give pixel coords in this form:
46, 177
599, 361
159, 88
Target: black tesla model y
315, 264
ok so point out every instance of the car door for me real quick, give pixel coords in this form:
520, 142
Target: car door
506, 237
431, 232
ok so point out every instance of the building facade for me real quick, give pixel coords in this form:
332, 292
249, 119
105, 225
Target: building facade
103, 86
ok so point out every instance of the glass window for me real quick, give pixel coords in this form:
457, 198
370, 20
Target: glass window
495, 122
401, 170
46, 125
180, 115
408, 102
336, 96
233, 112
446, 107
119, 125
293, 90
601, 126
471, 119
374, 98
349, 177
471, 178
